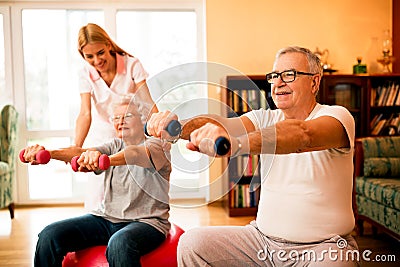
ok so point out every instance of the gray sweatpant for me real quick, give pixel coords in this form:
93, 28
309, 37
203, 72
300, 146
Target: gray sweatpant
246, 246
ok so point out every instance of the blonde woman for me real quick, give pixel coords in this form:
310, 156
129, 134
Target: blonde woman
110, 74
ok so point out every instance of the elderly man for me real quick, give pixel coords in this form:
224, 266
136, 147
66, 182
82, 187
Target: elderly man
305, 211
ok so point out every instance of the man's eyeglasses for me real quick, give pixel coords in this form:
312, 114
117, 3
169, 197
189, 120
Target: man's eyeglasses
127, 117
286, 76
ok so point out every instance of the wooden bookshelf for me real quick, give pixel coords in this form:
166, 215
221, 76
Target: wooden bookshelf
243, 94
373, 100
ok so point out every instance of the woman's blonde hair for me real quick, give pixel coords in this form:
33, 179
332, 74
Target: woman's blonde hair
93, 33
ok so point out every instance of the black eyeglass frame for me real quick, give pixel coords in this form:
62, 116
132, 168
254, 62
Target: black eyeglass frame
279, 75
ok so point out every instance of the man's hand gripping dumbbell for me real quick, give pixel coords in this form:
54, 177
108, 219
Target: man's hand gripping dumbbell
174, 130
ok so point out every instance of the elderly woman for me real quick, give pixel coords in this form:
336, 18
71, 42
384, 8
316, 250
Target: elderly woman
132, 219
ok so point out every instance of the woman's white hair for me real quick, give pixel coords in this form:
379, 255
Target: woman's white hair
130, 101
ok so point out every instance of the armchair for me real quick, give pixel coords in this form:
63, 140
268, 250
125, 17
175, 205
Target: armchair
377, 183
8, 156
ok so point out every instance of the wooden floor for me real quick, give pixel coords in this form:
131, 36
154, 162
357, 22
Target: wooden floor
18, 236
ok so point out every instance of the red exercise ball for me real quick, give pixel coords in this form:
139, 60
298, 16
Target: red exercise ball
165, 255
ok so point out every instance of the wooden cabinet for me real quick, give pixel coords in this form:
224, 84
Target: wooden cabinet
373, 100
243, 94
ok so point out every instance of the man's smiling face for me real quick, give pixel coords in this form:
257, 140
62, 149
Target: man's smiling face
293, 97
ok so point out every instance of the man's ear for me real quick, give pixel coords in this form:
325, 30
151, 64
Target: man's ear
315, 83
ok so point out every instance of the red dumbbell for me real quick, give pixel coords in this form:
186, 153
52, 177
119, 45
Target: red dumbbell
104, 163
42, 157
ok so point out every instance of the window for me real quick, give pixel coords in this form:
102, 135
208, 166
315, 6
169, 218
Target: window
52, 99
5, 72
48, 61
2, 59
164, 40
51, 62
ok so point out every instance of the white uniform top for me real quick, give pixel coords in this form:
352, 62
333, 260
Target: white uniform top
129, 72
306, 197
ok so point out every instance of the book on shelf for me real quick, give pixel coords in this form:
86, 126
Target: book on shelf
235, 100
373, 102
247, 165
380, 94
393, 129
387, 95
243, 196
389, 125
392, 95
245, 107
378, 126
244, 100
263, 100
244, 184
254, 98
392, 126
375, 120
397, 100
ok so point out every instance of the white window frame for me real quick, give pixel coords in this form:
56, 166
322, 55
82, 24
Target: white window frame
5, 11
15, 59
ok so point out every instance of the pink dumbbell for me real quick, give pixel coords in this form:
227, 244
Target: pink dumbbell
104, 163
42, 157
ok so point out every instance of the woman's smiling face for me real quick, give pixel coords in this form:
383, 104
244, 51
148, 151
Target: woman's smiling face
98, 55
127, 122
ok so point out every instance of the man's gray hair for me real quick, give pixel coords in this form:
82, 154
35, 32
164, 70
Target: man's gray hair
314, 63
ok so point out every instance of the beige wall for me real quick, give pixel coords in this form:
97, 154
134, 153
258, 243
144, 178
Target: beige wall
245, 34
